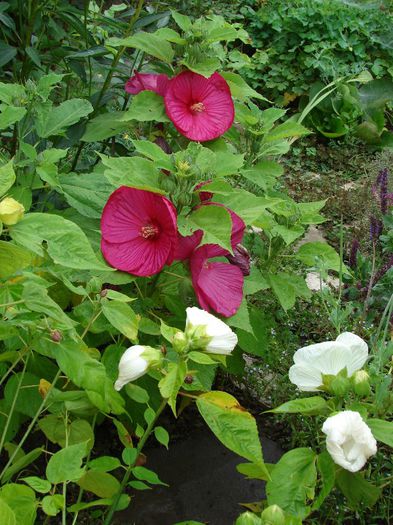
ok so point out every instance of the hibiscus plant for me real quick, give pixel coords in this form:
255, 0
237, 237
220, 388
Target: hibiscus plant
138, 223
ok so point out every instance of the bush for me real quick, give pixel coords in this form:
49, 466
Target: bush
307, 40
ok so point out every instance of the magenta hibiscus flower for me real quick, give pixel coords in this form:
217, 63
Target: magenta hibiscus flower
200, 108
139, 231
217, 285
147, 82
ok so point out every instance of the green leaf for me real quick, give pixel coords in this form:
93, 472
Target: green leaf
183, 21
216, 224
6, 513
89, 374
52, 505
154, 153
86, 192
13, 258
7, 53
146, 106
58, 119
144, 474
22, 463
122, 504
66, 243
327, 469
39, 485
321, 255
99, 483
357, 490
200, 357
7, 177
239, 87
170, 384
310, 406
382, 430
131, 171
29, 399
46, 84
104, 463
286, 130
10, 115
293, 481
122, 317
139, 485
162, 436
149, 43
232, 425
287, 288
137, 393
105, 126
252, 471
255, 282
9, 93
22, 501
65, 465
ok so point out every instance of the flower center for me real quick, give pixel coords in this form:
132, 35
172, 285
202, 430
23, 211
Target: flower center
149, 231
198, 107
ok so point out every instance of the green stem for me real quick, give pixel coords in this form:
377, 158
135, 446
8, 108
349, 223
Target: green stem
108, 79
127, 475
11, 411
64, 509
30, 427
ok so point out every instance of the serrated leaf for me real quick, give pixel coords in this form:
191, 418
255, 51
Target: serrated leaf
149, 43
58, 119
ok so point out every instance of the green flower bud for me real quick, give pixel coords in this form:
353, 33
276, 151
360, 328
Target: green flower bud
339, 386
11, 211
273, 515
180, 342
360, 382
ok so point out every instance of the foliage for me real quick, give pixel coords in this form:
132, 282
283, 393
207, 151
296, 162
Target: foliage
299, 43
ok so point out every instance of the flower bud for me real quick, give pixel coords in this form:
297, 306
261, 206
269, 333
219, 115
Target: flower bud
11, 211
135, 362
207, 332
360, 382
339, 386
179, 342
43, 388
273, 515
56, 336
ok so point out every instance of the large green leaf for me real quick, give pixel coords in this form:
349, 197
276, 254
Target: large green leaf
10, 115
170, 384
131, 171
7, 514
13, 258
86, 192
55, 121
122, 317
7, 177
321, 255
146, 106
356, 489
99, 483
153, 152
66, 243
309, 406
382, 430
293, 482
22, 501
66, 464
287, 287
149, 43
105, 126
239, 87
232, 424
216, 224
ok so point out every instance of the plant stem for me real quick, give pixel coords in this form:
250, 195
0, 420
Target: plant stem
11, 411
108, 79
64, 509
127, 475
30, 427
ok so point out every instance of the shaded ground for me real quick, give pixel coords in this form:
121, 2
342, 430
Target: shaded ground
204, 484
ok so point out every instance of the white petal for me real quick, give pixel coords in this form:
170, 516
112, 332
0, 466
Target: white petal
305, 377
329, 357
223, 339
359, 350
131, 366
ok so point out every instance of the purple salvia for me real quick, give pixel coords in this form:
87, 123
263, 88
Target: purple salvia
375, 229
353, 254
383, 190
384, 268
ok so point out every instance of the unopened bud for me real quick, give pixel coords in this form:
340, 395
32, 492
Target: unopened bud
104, 292
43, 388
189, 379
179, 342
339, 386
11, 211
360, 382
56, 336
273, 515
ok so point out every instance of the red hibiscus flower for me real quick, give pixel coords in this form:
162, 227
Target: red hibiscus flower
139, 231
200, 108
217, 285
147, 82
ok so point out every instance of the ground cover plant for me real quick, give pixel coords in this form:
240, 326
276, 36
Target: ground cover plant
145, 231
